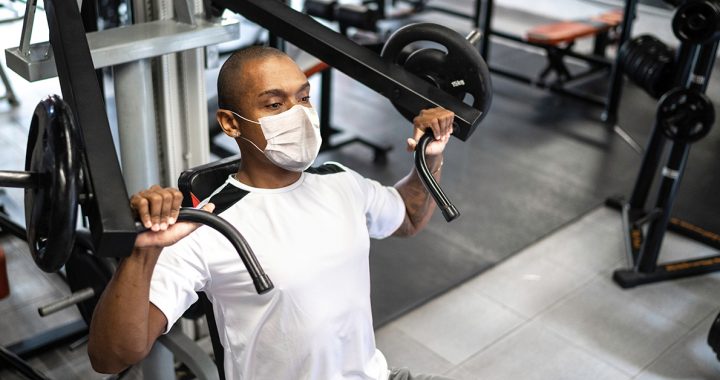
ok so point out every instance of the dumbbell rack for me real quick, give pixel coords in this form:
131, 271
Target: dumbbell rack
685, 115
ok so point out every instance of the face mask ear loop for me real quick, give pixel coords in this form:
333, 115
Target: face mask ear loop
248, 120
253, 144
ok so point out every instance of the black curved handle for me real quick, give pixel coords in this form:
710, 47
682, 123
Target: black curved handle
449, 211
260, 279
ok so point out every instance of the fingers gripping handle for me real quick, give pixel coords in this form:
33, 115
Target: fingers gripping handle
260, 279
449, 211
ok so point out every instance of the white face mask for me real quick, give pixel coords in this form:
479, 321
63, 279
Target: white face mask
293, 137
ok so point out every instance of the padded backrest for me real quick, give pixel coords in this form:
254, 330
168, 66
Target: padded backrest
198, 183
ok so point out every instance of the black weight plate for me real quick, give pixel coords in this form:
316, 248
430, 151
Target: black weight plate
51, 209
685, 115
86, 270
697, 22
463, 66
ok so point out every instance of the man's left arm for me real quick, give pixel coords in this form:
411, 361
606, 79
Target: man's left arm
419, 204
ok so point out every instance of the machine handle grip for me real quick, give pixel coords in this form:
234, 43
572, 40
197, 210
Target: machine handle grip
262, 281
449, 211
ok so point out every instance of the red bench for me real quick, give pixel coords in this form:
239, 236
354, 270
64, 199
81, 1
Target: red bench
559, 37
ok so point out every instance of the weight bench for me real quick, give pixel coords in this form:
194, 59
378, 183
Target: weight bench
558, 39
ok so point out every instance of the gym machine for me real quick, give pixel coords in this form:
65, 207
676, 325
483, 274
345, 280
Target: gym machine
70, 139
684, 116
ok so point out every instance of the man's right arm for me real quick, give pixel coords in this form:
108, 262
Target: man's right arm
125, 325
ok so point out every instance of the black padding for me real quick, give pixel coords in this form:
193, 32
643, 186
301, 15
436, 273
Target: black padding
203, 180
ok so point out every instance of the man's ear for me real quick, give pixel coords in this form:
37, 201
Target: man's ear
228, 123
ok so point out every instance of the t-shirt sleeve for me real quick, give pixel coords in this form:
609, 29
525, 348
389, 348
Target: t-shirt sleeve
178, 275
383, 205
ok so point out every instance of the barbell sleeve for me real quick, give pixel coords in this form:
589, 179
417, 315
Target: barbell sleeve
262, 281
449, 211
26, 180
64, 303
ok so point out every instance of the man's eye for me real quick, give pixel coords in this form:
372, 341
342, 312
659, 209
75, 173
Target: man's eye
306, 99
274, 106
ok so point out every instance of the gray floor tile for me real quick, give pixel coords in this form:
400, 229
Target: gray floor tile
529, 283
402, 351
458, 324
690, 358
535, 352
593, 243
613, 326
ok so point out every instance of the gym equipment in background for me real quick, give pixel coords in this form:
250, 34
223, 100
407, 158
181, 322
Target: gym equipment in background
557, 40
9, 94
684, 116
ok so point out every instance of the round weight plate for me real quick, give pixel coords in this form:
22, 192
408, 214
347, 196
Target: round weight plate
51, 208
685, 115
458, 68
697, 22
86, 270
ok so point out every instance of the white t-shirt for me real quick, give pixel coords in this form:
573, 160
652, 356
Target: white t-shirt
312, 239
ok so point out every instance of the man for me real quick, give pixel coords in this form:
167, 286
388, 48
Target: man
310, 231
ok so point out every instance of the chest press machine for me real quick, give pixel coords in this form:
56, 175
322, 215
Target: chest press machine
68, 164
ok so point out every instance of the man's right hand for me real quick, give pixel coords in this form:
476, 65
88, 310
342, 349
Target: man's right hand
158, 209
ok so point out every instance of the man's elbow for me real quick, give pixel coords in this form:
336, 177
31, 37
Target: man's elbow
109, 361
407, 229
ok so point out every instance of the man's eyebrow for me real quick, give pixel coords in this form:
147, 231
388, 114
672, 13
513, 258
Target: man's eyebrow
279, 92
273, 92
304, 87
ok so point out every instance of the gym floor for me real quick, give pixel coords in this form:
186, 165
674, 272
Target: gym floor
545, 309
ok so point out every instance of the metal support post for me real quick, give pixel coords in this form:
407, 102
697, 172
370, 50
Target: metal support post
616, 81
134, 99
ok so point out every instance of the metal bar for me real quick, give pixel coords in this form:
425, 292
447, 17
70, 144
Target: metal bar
694, 232
49, 339
25, 180
616, 81
10, 359
137, 130
111, 220
65, 302
552, 88
27, 27
648, 167
122, 45
7, 225
392, 81
451, 12
700, 79
585, 57
477, 13
188, 352
487, 29
672, 176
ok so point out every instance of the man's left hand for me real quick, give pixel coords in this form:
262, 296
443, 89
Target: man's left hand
440, 121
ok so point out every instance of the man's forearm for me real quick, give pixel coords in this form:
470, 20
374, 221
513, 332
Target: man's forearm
119, 331
419, 205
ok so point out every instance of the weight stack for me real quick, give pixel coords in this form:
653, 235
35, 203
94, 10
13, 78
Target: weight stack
4, 283
648, 63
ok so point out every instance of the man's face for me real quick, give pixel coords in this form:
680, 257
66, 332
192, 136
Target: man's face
271, 86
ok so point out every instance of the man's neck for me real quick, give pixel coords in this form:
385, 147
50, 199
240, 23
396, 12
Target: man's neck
264, 175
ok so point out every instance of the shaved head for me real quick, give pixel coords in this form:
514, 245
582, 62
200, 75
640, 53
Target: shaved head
232, 82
